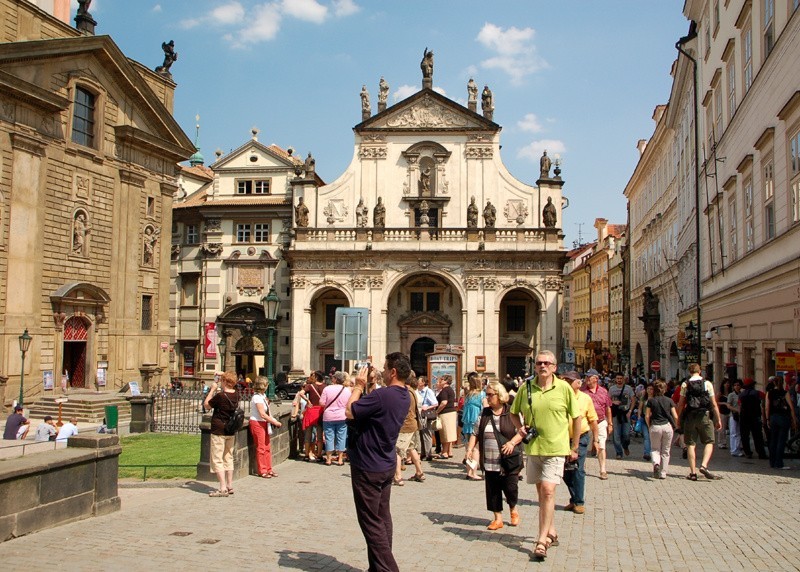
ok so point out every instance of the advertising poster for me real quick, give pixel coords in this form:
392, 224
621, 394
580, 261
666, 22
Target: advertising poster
210, 341
188, 362
47, 379
101, 377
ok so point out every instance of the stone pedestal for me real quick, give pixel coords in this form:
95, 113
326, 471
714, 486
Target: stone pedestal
141, 413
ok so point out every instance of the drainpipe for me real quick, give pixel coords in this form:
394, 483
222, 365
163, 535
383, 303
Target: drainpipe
679, 46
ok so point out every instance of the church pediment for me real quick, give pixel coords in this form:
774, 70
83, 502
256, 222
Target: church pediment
516, 346
427, 110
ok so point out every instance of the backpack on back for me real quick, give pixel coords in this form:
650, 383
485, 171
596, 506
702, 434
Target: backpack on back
696, 395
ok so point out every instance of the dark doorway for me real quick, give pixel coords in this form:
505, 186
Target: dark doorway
75, 363
419, 349
515, 366
331, 363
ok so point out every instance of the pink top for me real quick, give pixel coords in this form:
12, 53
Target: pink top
336, 410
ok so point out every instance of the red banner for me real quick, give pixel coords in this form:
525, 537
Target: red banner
210, 342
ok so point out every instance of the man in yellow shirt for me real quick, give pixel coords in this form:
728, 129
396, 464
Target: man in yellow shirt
574, 473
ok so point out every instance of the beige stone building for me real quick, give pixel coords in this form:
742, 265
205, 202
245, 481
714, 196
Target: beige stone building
232, 221
749, 181
429, 231
576, 316
88, 148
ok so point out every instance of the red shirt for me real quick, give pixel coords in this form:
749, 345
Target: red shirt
601, 400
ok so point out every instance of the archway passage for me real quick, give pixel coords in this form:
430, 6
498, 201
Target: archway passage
519, 323
419, 350
76, 335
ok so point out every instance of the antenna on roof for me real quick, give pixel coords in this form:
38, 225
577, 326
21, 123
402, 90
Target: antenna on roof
579, 242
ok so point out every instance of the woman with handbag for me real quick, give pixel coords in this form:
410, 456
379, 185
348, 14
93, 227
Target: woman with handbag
334, 423
473, 405
261, 424
492, 430
312, 416
447, 417
224, 402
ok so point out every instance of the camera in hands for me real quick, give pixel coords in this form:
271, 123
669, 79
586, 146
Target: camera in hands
531, 434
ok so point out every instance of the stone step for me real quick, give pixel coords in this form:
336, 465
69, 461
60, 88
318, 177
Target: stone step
88, 408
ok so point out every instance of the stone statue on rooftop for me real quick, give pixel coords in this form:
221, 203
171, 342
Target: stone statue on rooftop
310, 166
549, 214
472, 214
170, 56
301, 214
83, 7
426, 65
383, 91
362, 212
472, 94
366, 108
489, 215
544, 166
379, 214
487, 102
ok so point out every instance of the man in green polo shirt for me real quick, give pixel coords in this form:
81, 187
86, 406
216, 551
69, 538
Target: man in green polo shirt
548, 405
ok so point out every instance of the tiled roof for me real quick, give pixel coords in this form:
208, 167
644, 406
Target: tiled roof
616, 230
199, 171
201, 199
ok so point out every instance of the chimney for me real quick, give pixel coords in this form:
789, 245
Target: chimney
601, 224
641, 145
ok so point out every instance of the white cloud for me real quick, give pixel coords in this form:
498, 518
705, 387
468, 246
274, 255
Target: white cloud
405, 91
227, 14
441, 90
471, 71
533, 150
516, 52
530, 123
308, 10
157, 8
342, 8
263, 25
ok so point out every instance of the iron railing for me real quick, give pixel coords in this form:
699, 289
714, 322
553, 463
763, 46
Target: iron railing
179, 410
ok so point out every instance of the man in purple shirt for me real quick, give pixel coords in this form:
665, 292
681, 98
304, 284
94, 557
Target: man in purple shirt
602, 405
376, 421
14, 425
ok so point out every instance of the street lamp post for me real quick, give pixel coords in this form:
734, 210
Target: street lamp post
271, 304
24, 344
221, 346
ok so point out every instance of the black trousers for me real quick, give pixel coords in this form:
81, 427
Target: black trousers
496, 486
372, 493
748, 426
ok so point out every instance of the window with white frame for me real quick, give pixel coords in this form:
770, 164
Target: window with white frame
749, 228
252, 187
747, 58
794, 173
768, 173
718, 111
733, 231
260, 232
192, 235
731, 67
243, 232
769, 26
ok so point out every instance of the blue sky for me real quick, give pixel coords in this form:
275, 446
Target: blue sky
578, 77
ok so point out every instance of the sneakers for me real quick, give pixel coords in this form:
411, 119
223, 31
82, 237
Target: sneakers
737, 454
656, 470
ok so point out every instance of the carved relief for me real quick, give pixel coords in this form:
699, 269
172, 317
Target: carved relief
250, 280
149, 245
336, 211
472, 282
48, 126
175, 251
479, 152
298, 282
359, 282
214, 225
553, 283
406, 189
376, 282
80, 232
427, 113
320, 264
8, 111
516, 211
490, 283
374, 137
211, 249
372, 152
82, 187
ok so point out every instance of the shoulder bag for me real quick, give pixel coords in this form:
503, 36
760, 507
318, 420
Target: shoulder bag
510, 464
236, 420
313, 414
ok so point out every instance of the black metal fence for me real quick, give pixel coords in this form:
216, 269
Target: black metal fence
179, 410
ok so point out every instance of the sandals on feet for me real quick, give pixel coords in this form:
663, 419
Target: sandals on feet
707, 474
603, 476
272, 474
540, 552
265, 476
553, 540
218, 494
417, 478
692, 477
398, 482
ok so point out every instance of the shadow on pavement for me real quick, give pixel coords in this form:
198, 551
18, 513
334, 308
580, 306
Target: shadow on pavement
510, 541
310, 561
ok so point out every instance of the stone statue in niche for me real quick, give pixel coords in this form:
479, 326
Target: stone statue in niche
650, 302
80, 228
544, 166
150, 239
424, 209
379, 214
362, 212
549, 214
170, 57
426, 65
472, 214
425, 182
489, 215
301, 214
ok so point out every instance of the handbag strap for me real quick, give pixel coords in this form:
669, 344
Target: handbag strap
530, 402
334, 399
496, 432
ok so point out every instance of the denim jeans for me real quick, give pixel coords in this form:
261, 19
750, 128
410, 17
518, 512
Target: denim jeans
622, 434
335, 435
576, 479
779, 434
646, 435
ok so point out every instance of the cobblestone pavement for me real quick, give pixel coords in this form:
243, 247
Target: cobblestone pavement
746, 521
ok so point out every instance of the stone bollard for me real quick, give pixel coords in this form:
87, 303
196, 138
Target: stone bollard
141, 413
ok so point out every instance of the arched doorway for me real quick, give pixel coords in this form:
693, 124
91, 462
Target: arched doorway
519, 322
419, 350
76, 337
249, 355
323, 327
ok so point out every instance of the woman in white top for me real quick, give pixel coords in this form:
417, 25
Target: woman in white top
261, 423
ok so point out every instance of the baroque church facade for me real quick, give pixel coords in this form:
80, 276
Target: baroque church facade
430, 232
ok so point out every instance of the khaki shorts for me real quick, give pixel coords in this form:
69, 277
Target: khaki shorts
697, 426
602, 434
544, 469
222, 452
406, 441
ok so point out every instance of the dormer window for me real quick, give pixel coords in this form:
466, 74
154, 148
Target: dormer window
83, 117
252, 187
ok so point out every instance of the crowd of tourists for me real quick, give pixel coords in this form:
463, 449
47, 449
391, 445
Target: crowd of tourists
541, 428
